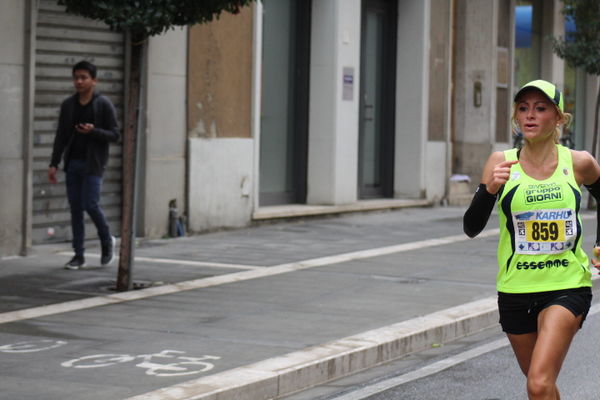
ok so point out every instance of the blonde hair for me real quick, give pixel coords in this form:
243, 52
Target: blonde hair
567, 118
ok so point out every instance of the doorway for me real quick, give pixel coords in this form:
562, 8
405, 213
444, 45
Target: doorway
284, 108
377, 99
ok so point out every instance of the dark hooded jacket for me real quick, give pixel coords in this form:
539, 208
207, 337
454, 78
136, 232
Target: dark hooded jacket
105, 131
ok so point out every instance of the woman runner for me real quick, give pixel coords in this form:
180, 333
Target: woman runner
544, 281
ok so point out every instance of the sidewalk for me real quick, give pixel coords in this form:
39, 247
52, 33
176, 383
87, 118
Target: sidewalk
272, 309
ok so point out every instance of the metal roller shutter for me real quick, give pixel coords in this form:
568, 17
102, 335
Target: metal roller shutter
61, 41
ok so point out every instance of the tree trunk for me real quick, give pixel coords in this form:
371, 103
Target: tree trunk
124, 278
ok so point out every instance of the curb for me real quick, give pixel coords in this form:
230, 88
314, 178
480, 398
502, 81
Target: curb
293, 372
296, 371
304, 210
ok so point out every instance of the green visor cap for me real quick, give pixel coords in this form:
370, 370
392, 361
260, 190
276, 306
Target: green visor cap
551, 92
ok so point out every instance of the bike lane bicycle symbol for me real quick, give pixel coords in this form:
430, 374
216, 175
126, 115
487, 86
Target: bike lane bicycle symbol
183, 366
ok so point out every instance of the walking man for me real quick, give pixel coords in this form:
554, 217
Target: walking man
86, 125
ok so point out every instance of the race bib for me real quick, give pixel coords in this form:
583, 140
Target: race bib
545, 231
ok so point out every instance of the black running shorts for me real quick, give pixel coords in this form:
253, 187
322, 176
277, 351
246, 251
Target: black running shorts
519, 311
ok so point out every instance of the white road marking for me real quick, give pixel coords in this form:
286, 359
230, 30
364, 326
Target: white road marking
82, 304
260, 272
432, 369
32, 346
178, 261
185, 365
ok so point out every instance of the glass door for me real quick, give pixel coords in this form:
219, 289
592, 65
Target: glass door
376, 130
284, 109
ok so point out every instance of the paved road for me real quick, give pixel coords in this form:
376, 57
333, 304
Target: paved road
276, 295
481, 367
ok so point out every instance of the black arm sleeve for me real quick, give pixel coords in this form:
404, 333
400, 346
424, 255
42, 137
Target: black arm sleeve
594, 189
476, 217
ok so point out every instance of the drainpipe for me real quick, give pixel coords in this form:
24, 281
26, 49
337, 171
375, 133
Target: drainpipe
257, 42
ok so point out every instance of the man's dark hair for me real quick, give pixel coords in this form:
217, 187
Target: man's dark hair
86, 65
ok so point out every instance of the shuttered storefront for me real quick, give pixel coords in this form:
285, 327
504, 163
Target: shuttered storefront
61, 41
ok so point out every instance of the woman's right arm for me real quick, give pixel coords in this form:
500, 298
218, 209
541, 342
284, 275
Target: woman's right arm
495, 174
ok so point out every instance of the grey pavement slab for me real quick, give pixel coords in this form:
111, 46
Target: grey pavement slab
228, 326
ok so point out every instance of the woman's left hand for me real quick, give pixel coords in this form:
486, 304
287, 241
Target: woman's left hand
596, 257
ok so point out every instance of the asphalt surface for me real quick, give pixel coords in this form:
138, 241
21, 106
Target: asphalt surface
493, 374
252, 313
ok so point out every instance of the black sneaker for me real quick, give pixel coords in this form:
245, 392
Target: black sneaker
77, 262
108, 252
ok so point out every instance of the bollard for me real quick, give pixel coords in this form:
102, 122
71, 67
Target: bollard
173, 219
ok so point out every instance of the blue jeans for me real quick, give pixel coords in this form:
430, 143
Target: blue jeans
83, 192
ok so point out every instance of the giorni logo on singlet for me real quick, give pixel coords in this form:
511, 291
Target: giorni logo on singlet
543, 193
549, 231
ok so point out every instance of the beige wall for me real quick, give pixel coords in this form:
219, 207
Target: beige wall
220, 77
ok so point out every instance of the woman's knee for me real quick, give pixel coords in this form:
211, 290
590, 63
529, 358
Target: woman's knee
540, 386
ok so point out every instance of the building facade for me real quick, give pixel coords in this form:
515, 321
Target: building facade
288, 108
